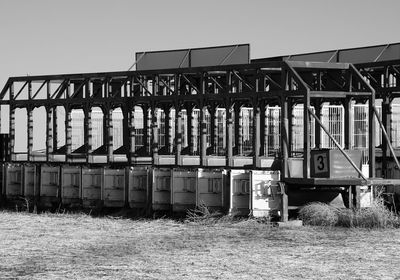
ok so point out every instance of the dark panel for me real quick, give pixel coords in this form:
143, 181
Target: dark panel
353, 55
224, 55
162, 60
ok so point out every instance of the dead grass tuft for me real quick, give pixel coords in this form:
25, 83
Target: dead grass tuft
319, 214
377, 216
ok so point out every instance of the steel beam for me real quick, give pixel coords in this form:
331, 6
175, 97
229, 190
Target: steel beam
68, 132
229, 134
29, 112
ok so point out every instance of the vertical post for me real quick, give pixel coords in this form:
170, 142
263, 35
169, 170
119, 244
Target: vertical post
167, 126
387, 122
110, 140
356, 190
306, 135
88, 128
12, 131
291, 118
49, 133
371, 135
347, 123
55, 129
257, 133
285, 204
132, 132
178, 135
262, 129
203, 134
126, 139
68, 132
229, 135
237, 120
212, 130
146, 135
154, 133
318, 113
285, 126
189, 119
29, 111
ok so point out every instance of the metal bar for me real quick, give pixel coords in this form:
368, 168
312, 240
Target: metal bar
229, 55
19, 92
203, 134
37, 92
58, 89
136, 62
229, 134
333, 55
49, 133
191, 84
297, 77
242, 80
216, 82
167, 86
257, 133
318, 65
143, 86
386, 136
184, 58
306, 135
361, 78
29, 112
337, 144
272, 81
79, 88
380, 54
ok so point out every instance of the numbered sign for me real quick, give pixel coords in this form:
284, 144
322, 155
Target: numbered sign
320, 163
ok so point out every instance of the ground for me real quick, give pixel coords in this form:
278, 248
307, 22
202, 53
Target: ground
60, 246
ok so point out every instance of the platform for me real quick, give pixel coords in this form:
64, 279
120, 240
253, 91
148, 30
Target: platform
341, 181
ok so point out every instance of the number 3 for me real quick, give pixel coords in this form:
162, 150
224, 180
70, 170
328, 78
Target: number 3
321, 164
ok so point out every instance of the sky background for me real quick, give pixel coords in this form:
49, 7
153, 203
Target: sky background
74, 36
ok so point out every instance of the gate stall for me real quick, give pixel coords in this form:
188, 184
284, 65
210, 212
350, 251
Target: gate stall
13, 180
92, 181
161, 193
114, 188
183, 193
49, 185
239, 192
211, 189
138, 187
30, 181
71, 185
266, 195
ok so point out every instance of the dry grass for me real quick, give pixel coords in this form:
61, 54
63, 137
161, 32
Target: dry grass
50, 246
376, 216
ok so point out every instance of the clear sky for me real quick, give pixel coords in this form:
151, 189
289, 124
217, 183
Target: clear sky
60, 36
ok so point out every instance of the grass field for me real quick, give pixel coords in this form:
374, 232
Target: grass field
51, 246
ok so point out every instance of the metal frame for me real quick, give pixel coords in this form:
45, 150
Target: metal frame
256, 85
